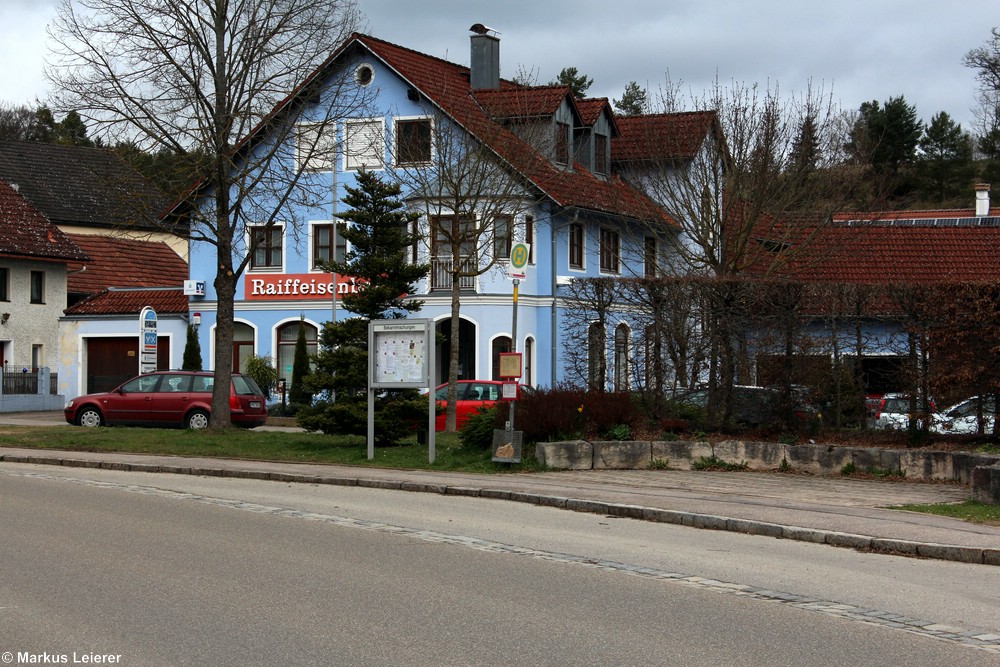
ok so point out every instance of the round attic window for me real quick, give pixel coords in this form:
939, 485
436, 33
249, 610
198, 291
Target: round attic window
364, 74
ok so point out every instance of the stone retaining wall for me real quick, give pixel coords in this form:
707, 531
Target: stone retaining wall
981, 471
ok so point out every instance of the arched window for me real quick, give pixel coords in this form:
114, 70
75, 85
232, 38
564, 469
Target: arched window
529, 365
243, 346
288, 334
621, 357
596, 361
501, 345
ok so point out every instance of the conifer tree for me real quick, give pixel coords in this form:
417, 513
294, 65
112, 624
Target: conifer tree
300, 368
579, 83
634, 101
381, 236
192, 350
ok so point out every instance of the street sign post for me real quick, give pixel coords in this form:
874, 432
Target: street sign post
147, 340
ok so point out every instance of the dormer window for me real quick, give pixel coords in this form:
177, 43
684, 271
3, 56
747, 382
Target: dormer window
562, 143
600, 154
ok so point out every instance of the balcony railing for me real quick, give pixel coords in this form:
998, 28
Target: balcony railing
442, 273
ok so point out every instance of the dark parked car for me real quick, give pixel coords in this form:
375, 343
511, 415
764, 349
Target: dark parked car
168, 398
756, 406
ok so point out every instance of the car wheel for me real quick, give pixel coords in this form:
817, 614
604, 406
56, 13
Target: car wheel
197, 420
90, 417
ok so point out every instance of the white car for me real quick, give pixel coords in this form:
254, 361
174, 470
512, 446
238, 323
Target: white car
962, 418
893, 412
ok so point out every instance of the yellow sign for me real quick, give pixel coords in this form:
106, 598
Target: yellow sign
519, 255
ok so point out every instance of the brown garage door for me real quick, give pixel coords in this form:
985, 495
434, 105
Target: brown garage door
111, 361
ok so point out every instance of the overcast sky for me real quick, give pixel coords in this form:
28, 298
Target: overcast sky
859, 50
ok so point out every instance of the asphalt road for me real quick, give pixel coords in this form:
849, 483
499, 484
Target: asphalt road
176, 570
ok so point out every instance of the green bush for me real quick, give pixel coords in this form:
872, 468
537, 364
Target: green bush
477, 433
263, 372
619, 432
397, 416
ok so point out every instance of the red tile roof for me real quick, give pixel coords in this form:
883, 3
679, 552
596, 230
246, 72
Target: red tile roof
675, 136
28, 233
117, 262
447, 85
522, 102
929, 247
113, 301
591, 109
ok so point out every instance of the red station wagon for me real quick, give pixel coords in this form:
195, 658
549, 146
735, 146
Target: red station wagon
168, 398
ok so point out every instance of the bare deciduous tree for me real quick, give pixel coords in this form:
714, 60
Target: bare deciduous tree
225, 80
473, 202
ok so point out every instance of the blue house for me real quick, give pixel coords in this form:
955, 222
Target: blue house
548, 174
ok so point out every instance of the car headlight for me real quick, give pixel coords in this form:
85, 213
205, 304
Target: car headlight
68, 405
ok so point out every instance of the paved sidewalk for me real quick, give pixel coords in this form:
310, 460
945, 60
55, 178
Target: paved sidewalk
840, 512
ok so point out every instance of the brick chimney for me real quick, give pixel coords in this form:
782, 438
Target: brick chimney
982, 200
485, 63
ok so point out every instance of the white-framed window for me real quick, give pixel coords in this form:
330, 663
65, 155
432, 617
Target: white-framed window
622, 352
37, 287
650, 257
502, 236
364, 144
322, 238
4, 283
576, 247
596, 362
315, 146
288, 335
529, 237
267, 247
413, 140
610, 251
364, 74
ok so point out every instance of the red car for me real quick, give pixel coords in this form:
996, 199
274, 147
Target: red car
472, 395
168, 398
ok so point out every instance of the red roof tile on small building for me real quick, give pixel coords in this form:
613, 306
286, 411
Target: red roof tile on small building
904, 247
522, 102
674, 136
28, 233
117, 262
165, 301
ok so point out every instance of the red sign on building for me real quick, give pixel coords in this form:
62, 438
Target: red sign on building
298, 286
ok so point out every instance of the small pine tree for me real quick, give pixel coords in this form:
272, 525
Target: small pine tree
634, 100
381, 239
192, 350
578, 83
298, 392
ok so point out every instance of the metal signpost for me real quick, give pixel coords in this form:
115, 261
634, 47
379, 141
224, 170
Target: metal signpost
400, 356
147, 340
507, 443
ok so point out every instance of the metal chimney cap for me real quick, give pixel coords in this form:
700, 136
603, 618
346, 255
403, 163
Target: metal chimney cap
481, 29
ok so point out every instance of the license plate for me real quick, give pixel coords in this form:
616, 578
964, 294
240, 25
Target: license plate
255, 405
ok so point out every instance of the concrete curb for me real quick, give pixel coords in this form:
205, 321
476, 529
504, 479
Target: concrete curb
964, 554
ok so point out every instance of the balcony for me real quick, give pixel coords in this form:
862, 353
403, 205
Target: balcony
442, 273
